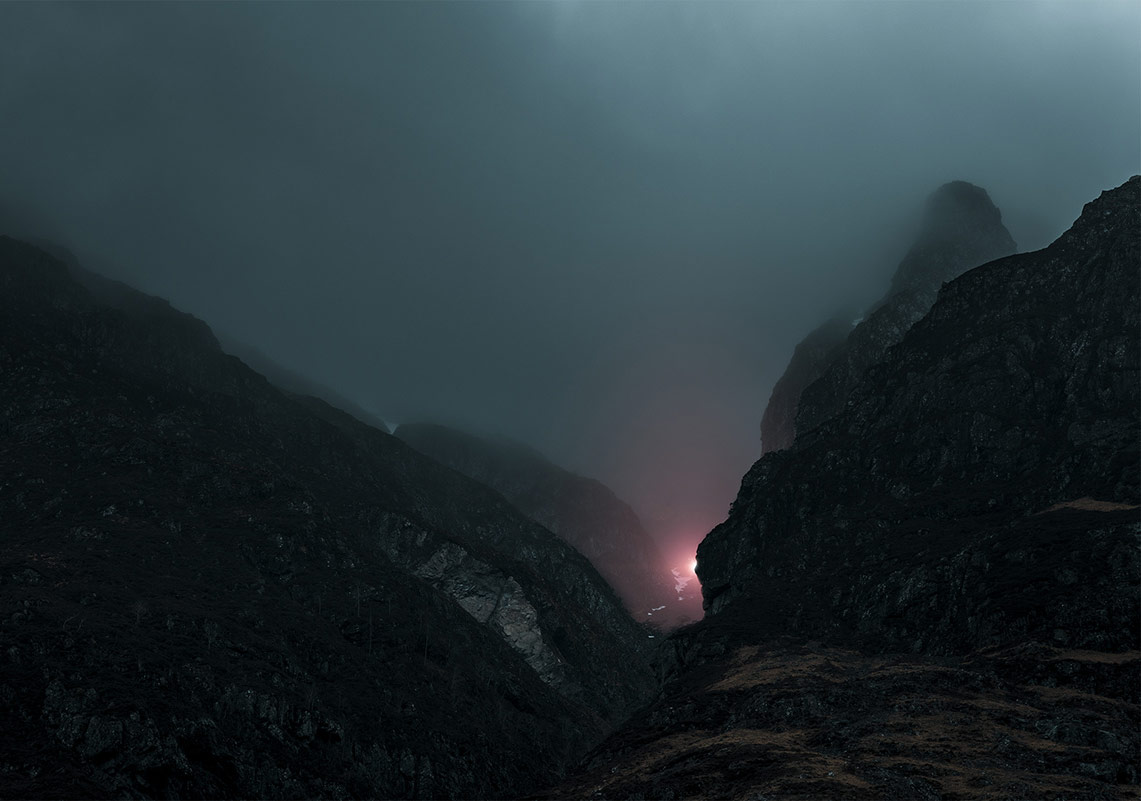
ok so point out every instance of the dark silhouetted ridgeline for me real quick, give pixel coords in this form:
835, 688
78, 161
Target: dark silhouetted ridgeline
213, 589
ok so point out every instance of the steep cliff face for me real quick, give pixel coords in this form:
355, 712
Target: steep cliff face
809, 361
934, 593
216, 589
582, 511
911, 518
961, 229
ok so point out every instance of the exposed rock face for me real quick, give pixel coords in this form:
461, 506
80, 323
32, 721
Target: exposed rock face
975, 504
809, 361
908, 518
961, 229
217, 590
582, 511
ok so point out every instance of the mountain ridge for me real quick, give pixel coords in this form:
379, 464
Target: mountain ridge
961, 228
582, 511
934, 593
963, 417
203, 567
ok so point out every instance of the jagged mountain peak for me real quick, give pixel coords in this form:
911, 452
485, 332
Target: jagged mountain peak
1015, 392
962, 227
960, 202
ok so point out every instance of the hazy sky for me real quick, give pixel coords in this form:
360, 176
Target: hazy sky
599, 228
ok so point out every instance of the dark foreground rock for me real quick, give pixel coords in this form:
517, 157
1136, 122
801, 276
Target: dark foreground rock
211, 589
758, 718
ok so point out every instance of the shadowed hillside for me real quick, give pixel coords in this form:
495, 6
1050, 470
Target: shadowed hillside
215, 591
583, 512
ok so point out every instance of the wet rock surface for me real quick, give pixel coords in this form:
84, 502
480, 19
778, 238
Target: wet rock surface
212, 589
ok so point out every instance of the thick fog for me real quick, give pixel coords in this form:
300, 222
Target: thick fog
598, 228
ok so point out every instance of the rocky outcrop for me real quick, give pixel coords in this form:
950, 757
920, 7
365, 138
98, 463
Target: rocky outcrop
218, 590
911, 518
809, 361
935, 592
961, 229
582, 511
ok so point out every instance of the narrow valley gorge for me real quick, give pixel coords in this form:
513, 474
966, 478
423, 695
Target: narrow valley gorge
217, 588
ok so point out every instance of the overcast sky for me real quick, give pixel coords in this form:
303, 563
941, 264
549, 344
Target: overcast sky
599, 228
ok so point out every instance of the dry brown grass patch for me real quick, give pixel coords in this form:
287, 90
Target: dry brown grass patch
1087, 504
748, 672
1103, 657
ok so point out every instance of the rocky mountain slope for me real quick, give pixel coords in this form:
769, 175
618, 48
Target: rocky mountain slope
582, 511
961, 229
809, 361
1018, 391
212, 589
935, 593
293, 383
776, 718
